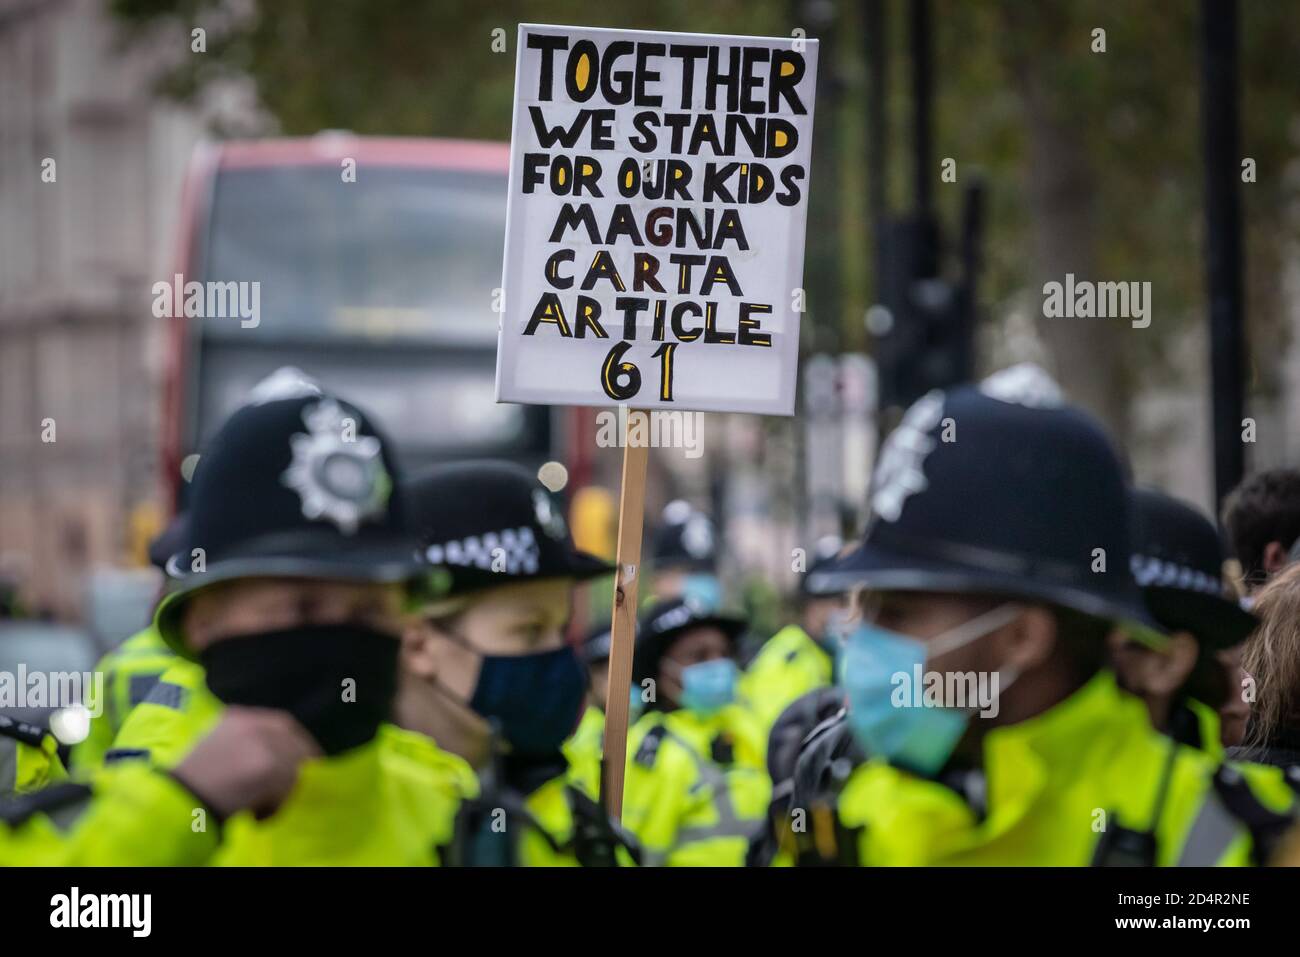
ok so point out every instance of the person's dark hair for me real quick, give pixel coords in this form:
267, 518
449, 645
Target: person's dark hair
1264, 508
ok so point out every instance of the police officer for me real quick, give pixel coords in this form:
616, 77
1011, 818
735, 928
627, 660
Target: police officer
696, 790
684, 556
149, 686
1193, 688
977, 682
800, 657
489, 675
290, 594
788, 688
132, 668
29, 753
137, 815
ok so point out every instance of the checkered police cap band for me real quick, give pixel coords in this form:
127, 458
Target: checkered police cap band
673, 618
1158, 573
518, 547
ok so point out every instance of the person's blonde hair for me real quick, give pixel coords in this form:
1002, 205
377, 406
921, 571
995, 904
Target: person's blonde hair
1272, 657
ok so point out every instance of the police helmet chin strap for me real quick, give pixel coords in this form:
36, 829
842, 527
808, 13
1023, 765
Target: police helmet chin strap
976, 628
494, 737
972, 630
459, 704
495, 746
1166, 776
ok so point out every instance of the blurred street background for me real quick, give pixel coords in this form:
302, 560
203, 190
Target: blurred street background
1042, 155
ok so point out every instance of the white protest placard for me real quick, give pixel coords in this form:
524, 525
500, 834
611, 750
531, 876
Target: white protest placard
655, 230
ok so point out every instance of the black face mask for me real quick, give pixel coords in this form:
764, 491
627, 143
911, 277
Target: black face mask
338, 681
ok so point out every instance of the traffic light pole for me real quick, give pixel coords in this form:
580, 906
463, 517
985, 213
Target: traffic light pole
919, 36
1219, 128
876, 49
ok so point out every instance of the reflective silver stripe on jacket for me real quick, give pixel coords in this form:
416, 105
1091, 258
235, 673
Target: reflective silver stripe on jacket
168, 695
1211, 835
729, 824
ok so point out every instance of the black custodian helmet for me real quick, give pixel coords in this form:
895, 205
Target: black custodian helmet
1001, 489
489, 523
664, 621
300, 487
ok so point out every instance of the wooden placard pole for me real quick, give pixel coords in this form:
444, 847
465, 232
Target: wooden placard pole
631, 518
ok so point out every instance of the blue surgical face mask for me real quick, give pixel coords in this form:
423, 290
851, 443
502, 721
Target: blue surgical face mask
709, 685
839, 625
703, 590
535, 699
920, 739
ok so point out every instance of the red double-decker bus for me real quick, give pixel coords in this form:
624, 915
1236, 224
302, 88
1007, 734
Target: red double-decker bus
378, 262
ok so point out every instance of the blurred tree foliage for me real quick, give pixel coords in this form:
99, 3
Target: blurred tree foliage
1095, 166
402, 67
1093, 159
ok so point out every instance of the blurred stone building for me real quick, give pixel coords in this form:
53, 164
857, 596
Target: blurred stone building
91, 170
91, 166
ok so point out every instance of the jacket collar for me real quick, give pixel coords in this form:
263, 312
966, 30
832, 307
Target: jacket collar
1020, 760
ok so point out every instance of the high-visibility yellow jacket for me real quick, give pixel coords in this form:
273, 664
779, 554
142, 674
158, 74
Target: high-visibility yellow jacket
1208, 728
788, 666
1267, 784
696, 789
558, 824
131, 816
29, 758
1056, 790
393, 800
390, 802
551, 806
130, 671
585, 747
180, 710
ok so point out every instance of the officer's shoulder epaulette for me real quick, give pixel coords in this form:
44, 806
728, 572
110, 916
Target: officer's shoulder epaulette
649, 748
166, 694
24, 731
17, 808
140, 686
